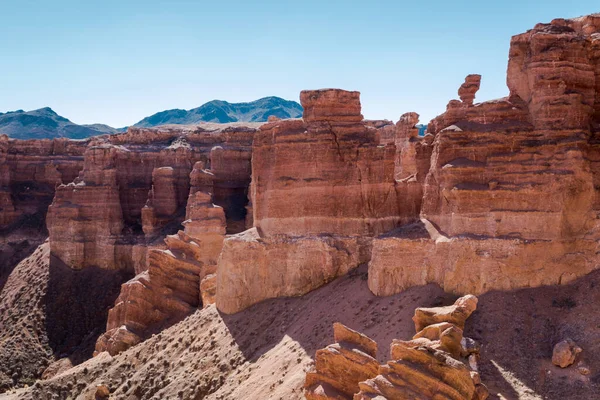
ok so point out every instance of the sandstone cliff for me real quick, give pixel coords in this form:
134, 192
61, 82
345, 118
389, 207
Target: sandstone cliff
498, 195
510, 199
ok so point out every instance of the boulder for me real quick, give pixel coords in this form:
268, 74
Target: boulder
565, 352
455, 314
341, 366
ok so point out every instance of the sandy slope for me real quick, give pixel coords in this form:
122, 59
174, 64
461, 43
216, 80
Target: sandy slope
263, 352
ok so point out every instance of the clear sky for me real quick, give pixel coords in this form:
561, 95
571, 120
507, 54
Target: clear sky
116, 62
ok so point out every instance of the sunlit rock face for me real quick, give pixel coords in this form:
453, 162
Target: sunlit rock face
511, 197
325, 174
322, 187
437, 363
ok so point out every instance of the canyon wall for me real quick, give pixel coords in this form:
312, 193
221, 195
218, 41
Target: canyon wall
511, 196
29, 172
134, 188
322, 188
113, 204
498, 195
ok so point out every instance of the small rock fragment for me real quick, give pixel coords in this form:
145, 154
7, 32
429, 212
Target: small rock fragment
565, 352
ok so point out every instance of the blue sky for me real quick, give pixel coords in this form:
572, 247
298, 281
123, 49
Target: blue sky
116, 62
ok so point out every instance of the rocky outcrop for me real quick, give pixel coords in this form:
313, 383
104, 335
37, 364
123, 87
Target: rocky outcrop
7, 208
438, 362
467, 90
253, 268
341, 366
163, 204
483, 225
321, 188
434, 363
85, 219
455, 314
134, 188
29, 172
179, 278
325, 174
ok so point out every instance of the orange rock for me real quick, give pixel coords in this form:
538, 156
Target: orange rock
340, 367
343, 334
456, 314
428, 366
564, 353
467, 90
281, 266
326, 174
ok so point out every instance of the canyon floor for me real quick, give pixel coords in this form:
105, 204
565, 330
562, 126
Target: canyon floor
265, 351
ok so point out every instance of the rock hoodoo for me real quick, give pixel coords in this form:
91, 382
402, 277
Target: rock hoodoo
179, 278
434, 364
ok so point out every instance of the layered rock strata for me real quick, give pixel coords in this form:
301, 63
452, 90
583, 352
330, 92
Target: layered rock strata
134, 188
434, 364
29, 173
341, 366
322, 187
511, 196
179, 278
438, 362
330, 164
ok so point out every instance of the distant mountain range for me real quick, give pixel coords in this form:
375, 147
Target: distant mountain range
45, 123
222, 112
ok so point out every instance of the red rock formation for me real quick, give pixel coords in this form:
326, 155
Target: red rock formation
321, 187
254, 268
341, 366
430, 366
29, 172
115, 199
484, 223
162, 206
179, 278
467, 90
7, 208
85, 220
326, 174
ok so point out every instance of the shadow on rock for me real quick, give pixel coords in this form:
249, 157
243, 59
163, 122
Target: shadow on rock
77, 304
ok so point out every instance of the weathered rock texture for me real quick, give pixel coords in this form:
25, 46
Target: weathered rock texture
179, 278
134, 188
325, 174
434, 364
341, 366
29, 172
511, 196
322, 187
565, 352
252, 268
